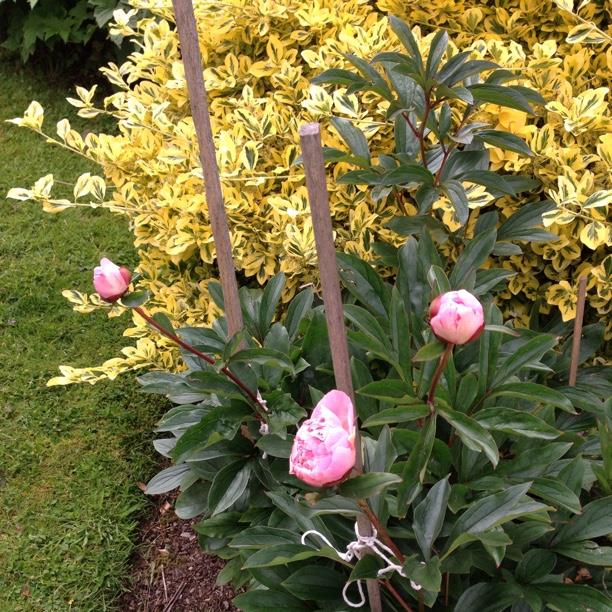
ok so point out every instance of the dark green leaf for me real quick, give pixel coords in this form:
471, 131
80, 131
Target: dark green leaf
437, 50
167, 479
594, 522
364, 283
473, 256
262, 536
275, 445
269, 301
487, 513
535, 393
281, 554
405, 36
517, 422
368, 485
503, 96
523, 356
430, 351
393, 390
263, 356
575, 597
535, 565
415, 468
298, 308
315, 582
556, 493
135, 299
337, 76
193, 501
264, 600
588, 552
428, 575
472, 434
487, 597
429, 516
229, 484
399, 414
455, 192
352, 136
505, 140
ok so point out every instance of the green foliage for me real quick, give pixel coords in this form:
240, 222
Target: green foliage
27, 25
494, 484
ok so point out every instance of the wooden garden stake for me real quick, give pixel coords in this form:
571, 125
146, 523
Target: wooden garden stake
314, 166
582, 283
190, 50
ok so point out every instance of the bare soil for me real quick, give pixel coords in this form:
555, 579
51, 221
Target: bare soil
170, 572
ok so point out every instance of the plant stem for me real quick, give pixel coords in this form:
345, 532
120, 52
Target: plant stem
421, 134
438, 373
387, 584
207, 358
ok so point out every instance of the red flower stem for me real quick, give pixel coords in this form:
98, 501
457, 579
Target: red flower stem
438, 373
207, 358
387, 584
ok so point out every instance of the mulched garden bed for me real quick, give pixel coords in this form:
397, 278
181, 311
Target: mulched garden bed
170, 572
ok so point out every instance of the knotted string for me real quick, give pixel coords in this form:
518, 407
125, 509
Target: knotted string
356, 550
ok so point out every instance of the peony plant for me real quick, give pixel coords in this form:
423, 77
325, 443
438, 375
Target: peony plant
485, 479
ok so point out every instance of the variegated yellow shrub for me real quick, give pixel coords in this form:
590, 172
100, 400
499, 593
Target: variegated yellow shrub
259, 57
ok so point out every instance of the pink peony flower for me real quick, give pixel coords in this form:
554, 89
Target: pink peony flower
456, 317
323, 451
111, 281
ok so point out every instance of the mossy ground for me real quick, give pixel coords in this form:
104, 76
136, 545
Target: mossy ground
70, 458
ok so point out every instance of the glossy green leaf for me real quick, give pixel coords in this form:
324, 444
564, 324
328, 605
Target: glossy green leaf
473, 256
472, 434
488, 512
193, 501
506, 141
368, 485
352, 136
523, 356
437, 50
298, 308
270, 299
262, 536
135, 299
535, 393
503, 96
413, 474
167, 479
516, 422
268, 600
563, 597
594, 522
364, 283
556, 493
315, 582
430, 351
399, 414
587, 551
535, 565
429, 516
229, 484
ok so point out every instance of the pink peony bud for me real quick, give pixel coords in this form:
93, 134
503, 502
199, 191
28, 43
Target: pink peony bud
323, 451
111, 281
456, 317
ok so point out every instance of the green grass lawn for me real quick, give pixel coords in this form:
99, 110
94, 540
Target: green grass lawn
70, 457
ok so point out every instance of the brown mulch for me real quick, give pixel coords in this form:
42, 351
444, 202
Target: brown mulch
170, 572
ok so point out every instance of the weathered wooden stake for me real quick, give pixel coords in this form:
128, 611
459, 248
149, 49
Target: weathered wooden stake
582, 283
314, 166
190, 50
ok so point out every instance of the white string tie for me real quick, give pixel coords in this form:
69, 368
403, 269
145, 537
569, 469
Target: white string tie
263, 430
356, 550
